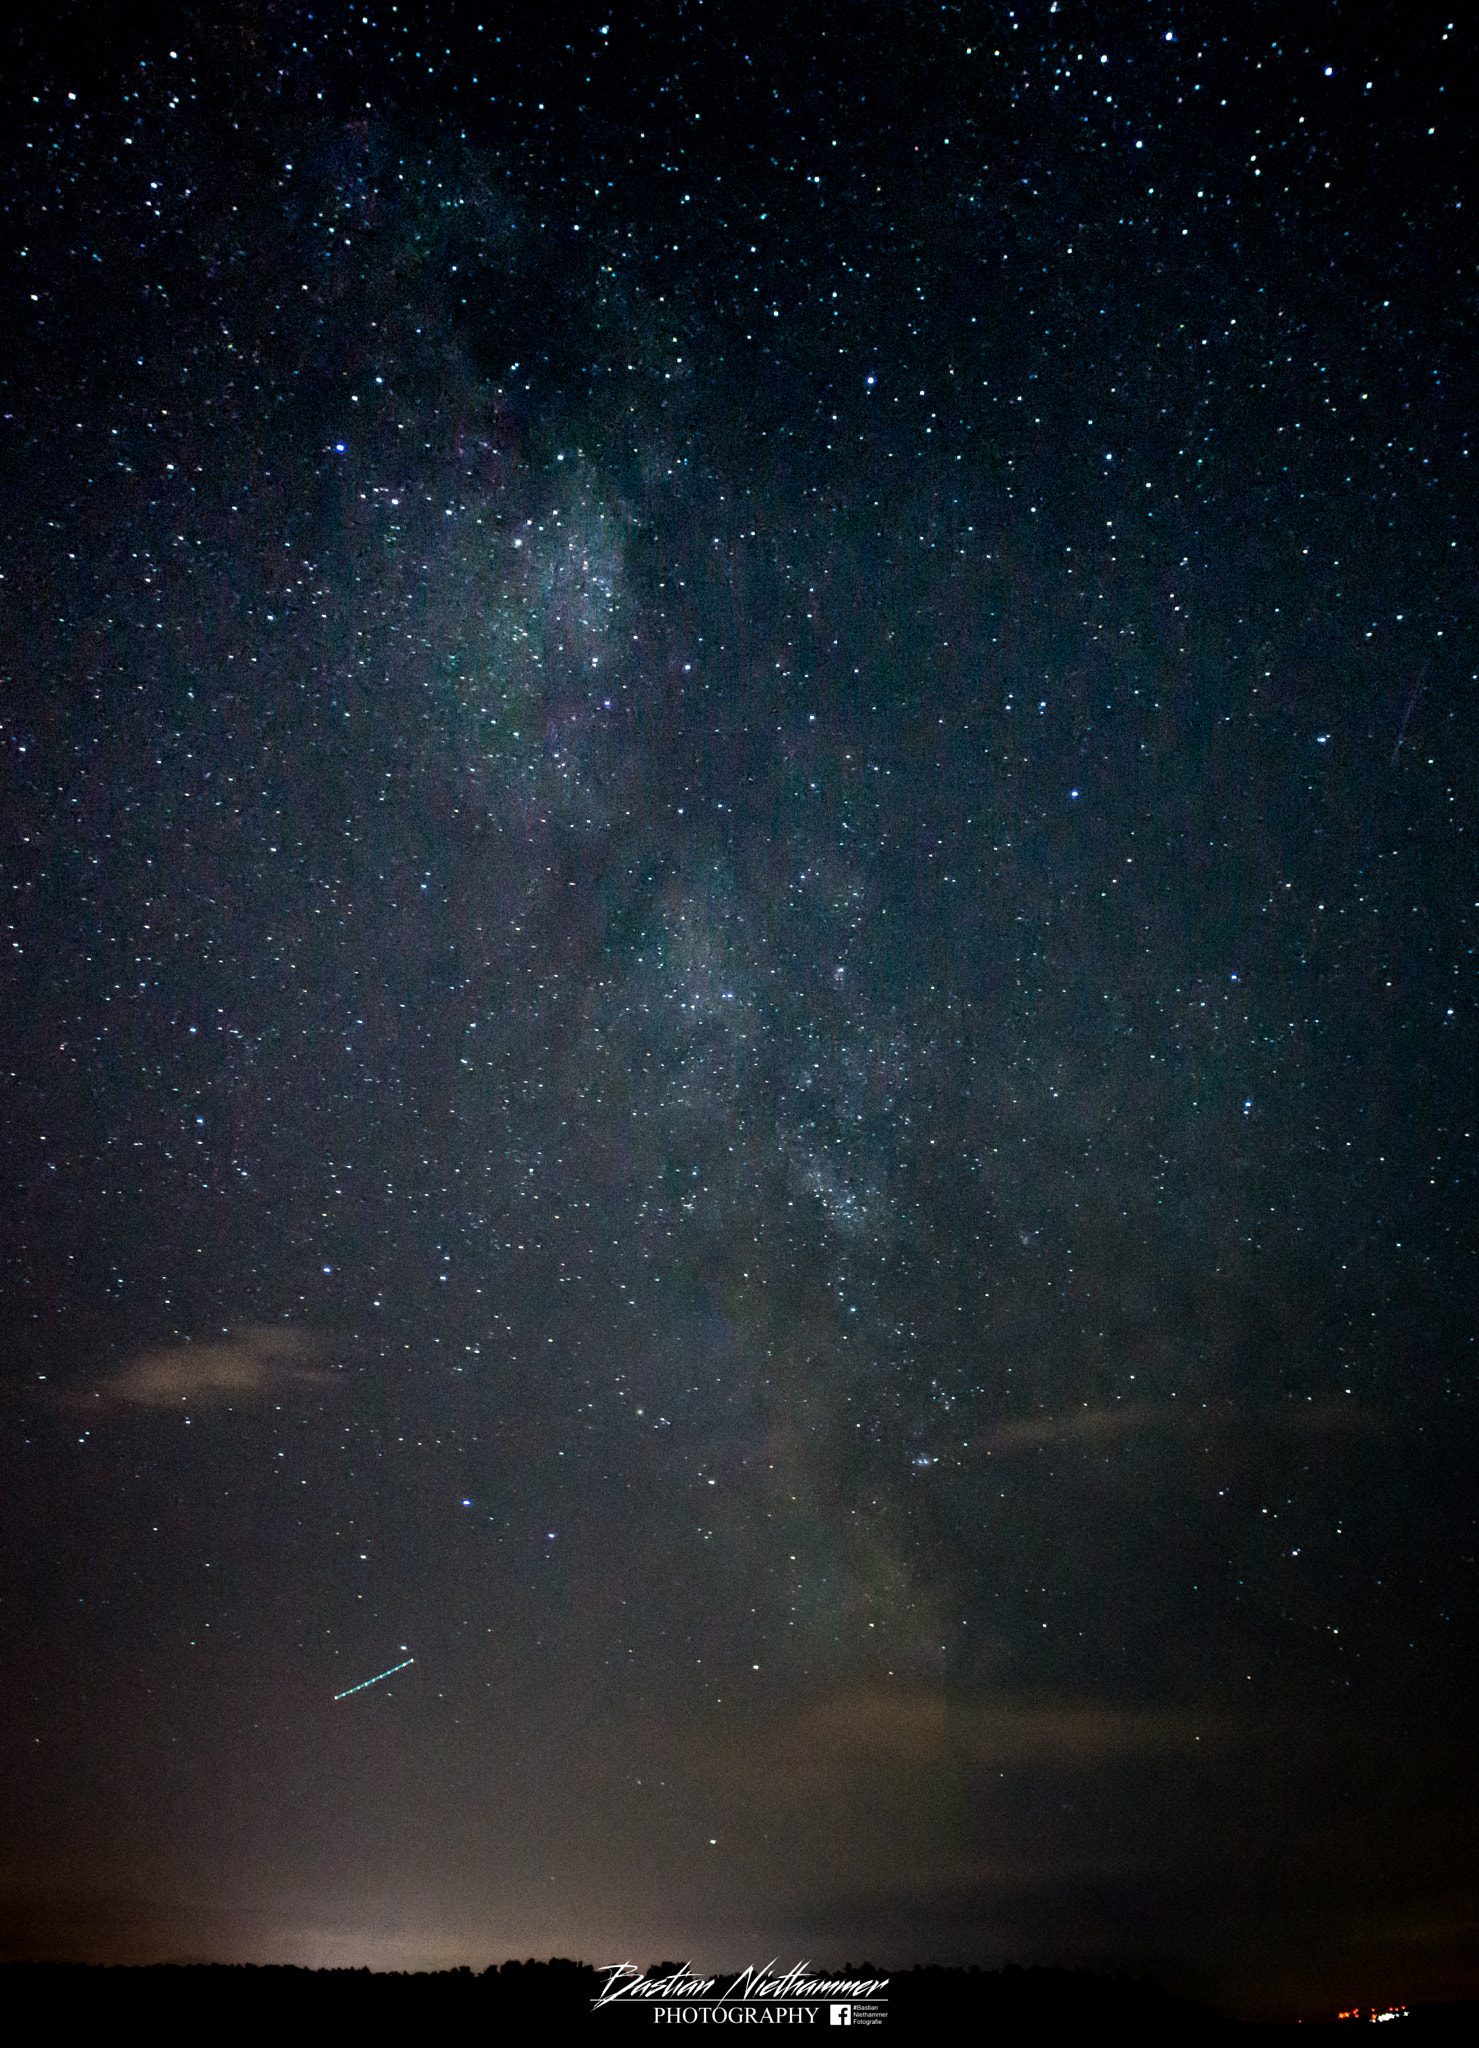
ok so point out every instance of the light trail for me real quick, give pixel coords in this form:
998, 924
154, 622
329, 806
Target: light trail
375, 1680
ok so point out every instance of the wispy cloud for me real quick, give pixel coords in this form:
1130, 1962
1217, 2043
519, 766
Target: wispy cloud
250, 1366
923, 1728
1101, 1425
1105, 1425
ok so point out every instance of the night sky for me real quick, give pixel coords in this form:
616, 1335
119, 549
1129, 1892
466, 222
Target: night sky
738, 989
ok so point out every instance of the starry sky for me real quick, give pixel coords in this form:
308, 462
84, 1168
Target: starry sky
737, 988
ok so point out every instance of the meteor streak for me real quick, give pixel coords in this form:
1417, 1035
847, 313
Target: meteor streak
375, 1680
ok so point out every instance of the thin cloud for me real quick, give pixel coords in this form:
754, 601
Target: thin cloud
251, 1366
855, 1746
1105, 1425
923, 1727
1080, 1426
